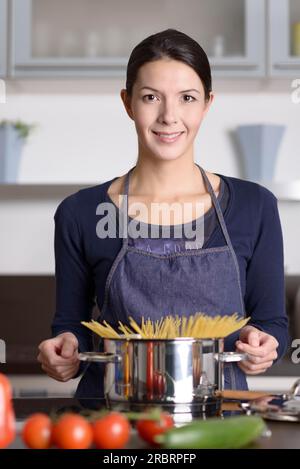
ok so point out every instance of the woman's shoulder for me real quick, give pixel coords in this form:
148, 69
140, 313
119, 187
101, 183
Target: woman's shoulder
243, 190
85, 199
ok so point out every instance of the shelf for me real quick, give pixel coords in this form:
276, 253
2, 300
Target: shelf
40, 191
284, 191
293, 63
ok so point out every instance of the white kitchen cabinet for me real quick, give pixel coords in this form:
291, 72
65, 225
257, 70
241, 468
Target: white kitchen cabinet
87, 38
284, 37
3, 37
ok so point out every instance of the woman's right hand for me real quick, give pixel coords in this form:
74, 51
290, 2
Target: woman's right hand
59, 356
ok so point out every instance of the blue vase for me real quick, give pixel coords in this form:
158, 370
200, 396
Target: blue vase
11, 145
259, 146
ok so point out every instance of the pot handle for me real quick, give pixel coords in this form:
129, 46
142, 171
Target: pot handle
226, 357
100, 357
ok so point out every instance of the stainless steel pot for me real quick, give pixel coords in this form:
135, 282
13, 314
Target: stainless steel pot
170, 372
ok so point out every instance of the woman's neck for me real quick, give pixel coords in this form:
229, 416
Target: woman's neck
160, 179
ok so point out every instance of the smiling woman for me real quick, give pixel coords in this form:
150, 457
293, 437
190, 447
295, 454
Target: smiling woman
236, 268
167, 114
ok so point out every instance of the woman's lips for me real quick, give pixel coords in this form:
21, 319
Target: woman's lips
171, 138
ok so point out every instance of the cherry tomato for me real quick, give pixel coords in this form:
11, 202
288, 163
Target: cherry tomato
72, 431
111, 431
148, 429
36, 432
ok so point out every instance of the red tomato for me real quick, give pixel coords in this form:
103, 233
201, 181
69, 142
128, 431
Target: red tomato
36, 432
7, 414
111, 431
148, 429
72, 431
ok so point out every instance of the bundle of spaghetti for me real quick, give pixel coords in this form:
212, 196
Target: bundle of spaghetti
126, 330
104, 330
198, 326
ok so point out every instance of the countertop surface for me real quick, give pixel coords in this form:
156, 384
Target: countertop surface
284, 435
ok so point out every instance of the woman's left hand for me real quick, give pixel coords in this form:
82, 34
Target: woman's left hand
260, 347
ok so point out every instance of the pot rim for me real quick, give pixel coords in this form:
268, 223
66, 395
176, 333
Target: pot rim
138, 339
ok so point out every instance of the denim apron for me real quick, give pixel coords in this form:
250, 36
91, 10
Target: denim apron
142, 283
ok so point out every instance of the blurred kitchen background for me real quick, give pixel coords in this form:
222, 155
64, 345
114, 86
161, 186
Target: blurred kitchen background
62, 66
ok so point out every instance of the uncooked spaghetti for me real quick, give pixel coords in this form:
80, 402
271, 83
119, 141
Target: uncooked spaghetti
197, 326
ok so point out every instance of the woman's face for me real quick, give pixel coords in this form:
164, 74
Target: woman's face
167, 98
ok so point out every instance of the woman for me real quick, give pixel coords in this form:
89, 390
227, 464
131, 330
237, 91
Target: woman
229, 258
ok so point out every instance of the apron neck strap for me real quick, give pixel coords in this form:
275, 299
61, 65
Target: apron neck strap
216, 205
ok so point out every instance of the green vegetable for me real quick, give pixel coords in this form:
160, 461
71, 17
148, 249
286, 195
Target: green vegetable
232, 432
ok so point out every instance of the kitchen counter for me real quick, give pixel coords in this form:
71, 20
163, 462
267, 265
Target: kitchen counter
285, 435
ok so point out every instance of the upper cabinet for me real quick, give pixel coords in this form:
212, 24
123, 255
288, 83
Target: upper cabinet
284, 37
3, 37
86, 38
92, 38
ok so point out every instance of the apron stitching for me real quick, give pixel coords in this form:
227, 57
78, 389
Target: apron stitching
189, 253
238, 279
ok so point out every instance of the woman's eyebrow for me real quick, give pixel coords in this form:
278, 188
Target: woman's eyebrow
157, 91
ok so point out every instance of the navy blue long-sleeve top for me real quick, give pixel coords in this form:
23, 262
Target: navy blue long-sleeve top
83, 260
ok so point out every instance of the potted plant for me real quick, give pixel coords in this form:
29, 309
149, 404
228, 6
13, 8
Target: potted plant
13, 135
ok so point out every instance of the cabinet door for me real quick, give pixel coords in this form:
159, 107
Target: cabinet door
284, 39
245, 20
95, 38
3, 37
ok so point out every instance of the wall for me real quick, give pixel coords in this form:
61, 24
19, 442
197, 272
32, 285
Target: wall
85, 136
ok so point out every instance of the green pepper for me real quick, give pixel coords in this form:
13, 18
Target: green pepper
232, 432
